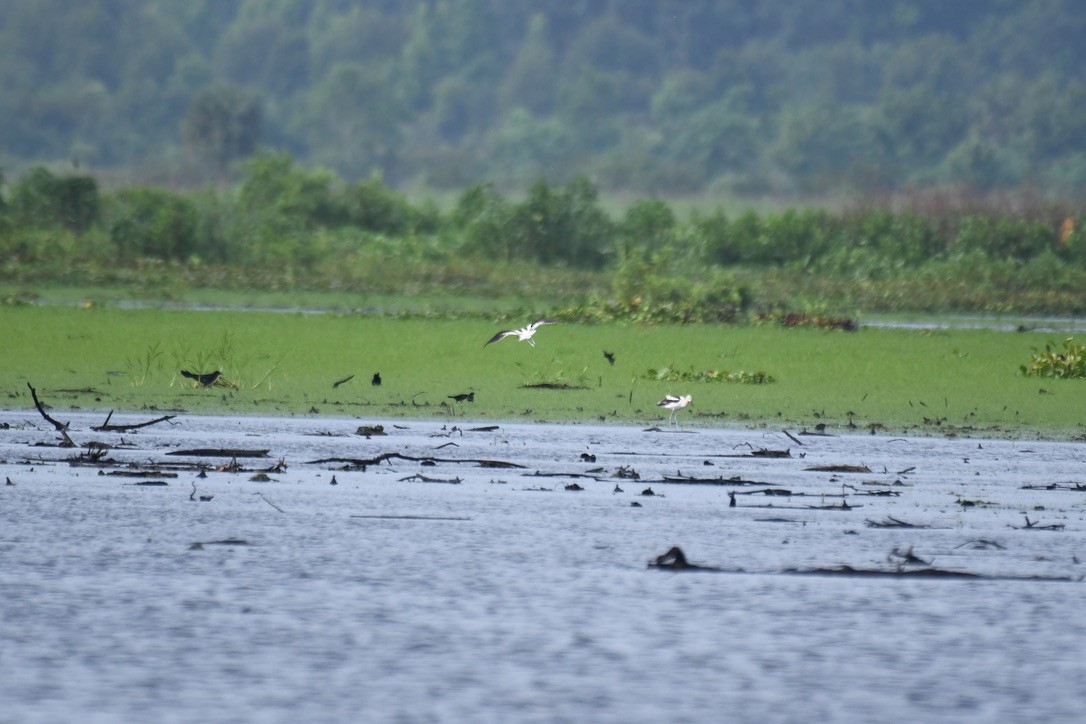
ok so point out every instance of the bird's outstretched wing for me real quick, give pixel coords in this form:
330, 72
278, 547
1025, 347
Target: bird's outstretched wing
500, 335
541, 322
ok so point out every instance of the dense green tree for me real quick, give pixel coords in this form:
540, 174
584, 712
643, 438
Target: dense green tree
531, 80
222, 124
44, 199
351, 120
155, 223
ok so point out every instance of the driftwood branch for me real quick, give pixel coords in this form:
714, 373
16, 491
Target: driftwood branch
365, 463
106, 427
792, 437
61, 427
892, 522
417, 478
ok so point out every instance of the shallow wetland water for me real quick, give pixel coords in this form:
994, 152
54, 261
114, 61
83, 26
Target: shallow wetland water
500, 573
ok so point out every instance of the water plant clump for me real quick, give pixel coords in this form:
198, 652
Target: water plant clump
670, 374
1068, 361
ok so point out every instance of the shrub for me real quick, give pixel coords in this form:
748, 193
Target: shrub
562, 226
152, 223
1070, 363
43, 199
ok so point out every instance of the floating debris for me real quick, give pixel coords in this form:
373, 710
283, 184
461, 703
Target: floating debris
675, 560
839, 469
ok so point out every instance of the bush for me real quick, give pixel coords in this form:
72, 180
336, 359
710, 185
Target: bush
1069, 363
562, 226
152, 223
372, 206
43, 199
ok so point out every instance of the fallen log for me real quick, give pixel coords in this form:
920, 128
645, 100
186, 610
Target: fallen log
892, 522
423, 479
364, 463
845, 570
839, 469
221, 453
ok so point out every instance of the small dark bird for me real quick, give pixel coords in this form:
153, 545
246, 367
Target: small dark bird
376, 381
463, 397
610, 357
206, 379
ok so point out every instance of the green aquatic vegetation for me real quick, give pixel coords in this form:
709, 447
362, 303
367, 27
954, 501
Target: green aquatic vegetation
670, 374
1066, 361
288, 363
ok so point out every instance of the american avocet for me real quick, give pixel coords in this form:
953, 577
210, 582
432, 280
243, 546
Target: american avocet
675, 404
524, 334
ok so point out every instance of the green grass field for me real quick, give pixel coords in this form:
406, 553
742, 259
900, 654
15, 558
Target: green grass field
952, 382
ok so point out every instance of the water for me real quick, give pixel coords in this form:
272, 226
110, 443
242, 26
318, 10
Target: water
506, 597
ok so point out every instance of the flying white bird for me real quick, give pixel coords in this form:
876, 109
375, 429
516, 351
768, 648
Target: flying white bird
675, 404
524, 334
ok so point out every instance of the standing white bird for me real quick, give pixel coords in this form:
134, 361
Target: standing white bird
675, 404
524, 333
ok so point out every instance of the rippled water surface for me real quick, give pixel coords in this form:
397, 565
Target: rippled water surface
466, 591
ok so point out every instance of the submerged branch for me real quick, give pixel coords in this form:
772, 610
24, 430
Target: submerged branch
61, 427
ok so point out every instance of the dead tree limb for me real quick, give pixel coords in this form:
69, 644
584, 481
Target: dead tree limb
384, 457
106, 427
61, 427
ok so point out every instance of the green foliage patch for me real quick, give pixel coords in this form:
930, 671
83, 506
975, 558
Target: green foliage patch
670, 374
1068, 361
286, 228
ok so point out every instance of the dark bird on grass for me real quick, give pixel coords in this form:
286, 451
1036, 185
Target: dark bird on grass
524, 334
376, 381
206, 379
463, 397
610, 356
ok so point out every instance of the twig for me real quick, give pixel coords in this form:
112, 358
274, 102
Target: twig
269, 502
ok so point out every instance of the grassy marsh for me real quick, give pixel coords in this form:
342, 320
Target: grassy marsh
952, 381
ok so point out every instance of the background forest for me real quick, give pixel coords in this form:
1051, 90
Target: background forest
654, 96
843, 156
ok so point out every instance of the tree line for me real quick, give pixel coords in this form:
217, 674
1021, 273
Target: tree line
281, 212
654, 96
